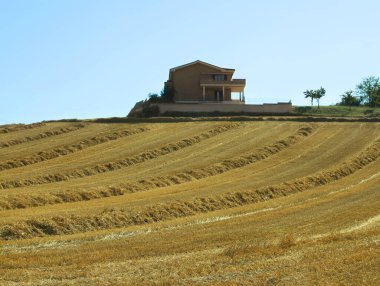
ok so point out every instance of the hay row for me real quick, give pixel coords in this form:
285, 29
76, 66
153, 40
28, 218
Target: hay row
25, 201
68, 149
119, 164
18, 127
41, 135
59, 225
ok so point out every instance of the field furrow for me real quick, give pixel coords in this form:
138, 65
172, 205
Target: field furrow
165, 211
47, 134
203, 251
18, 127
23, 201
224, 201
322, 153
159, 135
28, 149
116, 165
67, 149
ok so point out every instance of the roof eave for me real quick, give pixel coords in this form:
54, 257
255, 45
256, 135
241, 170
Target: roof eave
201, 62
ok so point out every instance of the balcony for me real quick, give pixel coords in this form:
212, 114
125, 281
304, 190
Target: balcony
226, 83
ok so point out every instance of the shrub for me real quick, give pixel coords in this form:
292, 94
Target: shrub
167, 94
302, 109
154, 97
150, 111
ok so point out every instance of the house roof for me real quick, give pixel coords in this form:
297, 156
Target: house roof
203, 63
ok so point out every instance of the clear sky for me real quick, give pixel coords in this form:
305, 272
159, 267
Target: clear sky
93, 58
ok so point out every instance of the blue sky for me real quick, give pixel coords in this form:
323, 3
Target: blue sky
92, 58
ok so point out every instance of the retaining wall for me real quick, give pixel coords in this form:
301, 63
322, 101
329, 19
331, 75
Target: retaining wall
276, 108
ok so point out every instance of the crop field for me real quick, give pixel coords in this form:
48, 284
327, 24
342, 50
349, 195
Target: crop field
190, 203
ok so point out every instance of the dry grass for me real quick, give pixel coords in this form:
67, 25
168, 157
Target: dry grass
18, 127
165, 211
116, 165
40, 136
260, 203
67, 149
23, 201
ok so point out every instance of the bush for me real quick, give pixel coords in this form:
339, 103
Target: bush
154, 97
167, 94
368, 111
302, 109
150, 111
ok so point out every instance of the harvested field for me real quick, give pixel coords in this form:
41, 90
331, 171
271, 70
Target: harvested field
40, 136
67, 149
17, 127
190, 203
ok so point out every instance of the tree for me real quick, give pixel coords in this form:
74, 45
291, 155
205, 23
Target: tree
153, 97
369, 90
167, 94
319, 93
349, 99
376, 98
309, 93
315, 94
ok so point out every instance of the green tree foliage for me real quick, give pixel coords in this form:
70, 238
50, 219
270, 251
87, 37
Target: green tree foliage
153, 97
369, 91
167, 94
309, 94
349, 99
315, 94
319, 93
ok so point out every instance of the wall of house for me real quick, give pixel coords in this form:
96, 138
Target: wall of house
277, 108
210, 93
186, 83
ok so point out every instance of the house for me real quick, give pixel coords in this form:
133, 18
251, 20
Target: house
200, 88
201, 82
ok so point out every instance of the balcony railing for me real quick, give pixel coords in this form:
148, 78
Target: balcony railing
237, 81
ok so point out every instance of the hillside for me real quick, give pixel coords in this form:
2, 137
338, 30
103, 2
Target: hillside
338, 111
190, 203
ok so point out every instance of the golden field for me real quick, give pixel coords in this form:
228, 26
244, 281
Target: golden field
207, 202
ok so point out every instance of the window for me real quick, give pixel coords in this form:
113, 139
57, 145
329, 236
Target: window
220, 77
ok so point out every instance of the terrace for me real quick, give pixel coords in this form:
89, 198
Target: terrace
223, 83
